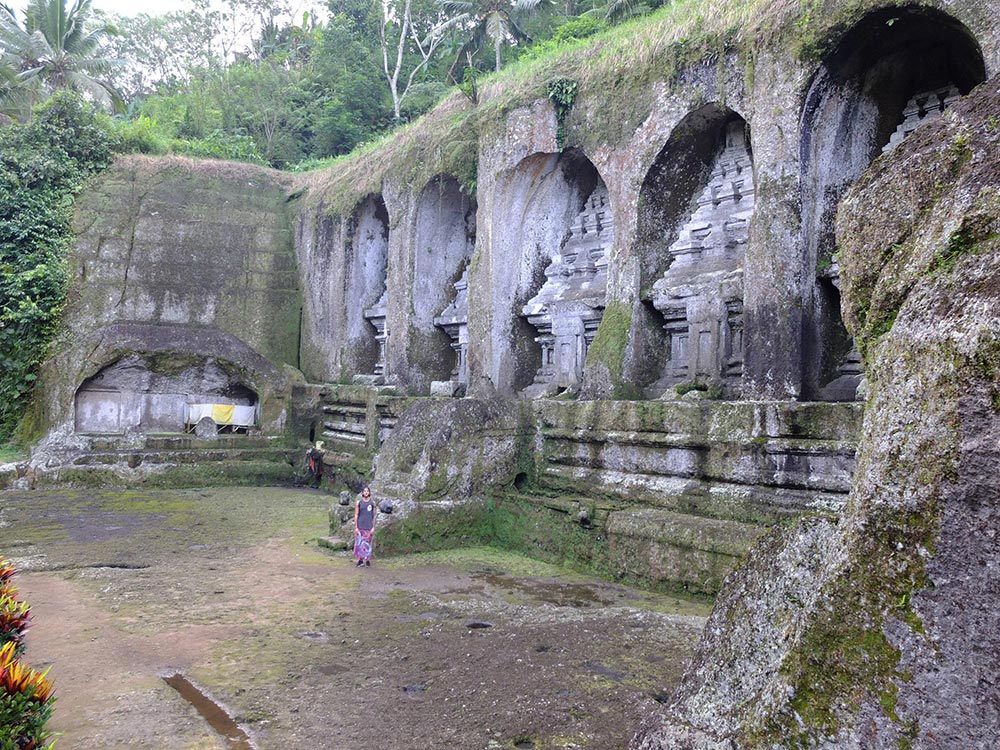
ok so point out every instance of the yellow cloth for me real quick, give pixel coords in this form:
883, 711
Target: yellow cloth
222, 413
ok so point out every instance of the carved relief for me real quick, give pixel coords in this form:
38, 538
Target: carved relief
376, 316
567, 309
701, 294
454, 320
922, 107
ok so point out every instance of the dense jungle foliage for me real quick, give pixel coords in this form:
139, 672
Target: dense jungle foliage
247, 80
42, 165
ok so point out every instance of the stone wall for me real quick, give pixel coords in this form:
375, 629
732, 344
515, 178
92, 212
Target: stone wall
683, 296
672, 494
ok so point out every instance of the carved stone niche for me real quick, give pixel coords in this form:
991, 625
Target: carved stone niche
921, 107
454, 321
701, 295
568, 308
376, 316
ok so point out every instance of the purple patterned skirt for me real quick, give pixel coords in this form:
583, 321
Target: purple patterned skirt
363, 544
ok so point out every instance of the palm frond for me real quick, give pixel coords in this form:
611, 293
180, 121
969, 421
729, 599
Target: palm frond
456, 7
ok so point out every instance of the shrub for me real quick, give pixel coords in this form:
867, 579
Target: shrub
579, 28
219, 145
139, 136
7, 571
14, 618
25, 703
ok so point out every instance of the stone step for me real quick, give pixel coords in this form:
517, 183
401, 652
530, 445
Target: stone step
717, 421
755, 503
667, 549
207, 474
675, 550
185, 442
334, 543
135, 458
685, 531
828, 468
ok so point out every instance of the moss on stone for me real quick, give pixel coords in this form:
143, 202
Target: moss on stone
843, 659
608, 347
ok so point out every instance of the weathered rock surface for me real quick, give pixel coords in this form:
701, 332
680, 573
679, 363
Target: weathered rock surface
448, 451
879, 632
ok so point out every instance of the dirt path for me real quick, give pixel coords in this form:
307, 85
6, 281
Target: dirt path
307, 651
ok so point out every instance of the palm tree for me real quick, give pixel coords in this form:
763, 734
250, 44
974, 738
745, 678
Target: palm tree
15, 95
487, 21
55, 49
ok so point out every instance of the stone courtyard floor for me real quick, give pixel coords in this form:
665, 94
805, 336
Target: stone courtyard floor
228, 588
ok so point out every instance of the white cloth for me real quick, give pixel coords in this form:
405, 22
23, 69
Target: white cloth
243, 416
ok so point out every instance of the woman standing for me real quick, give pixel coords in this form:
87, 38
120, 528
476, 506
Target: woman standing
364, 528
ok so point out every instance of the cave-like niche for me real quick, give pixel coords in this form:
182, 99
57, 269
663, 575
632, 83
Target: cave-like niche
366, 293
695, 207
570, 296
444, 234
896, 68
164, 393
550, 232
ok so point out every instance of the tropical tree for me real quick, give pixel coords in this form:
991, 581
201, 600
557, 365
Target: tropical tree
15, 95
54, 49
408, 39
488, 23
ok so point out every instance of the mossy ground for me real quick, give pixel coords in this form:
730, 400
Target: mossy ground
225, 586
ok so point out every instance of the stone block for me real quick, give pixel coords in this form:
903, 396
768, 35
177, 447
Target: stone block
447, 388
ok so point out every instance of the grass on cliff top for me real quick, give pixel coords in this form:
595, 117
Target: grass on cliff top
682, 31
613, 63
444, 142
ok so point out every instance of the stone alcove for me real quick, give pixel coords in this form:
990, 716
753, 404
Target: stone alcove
892, 70
161, 393
695, 206
444, 235
550, 227
365, 296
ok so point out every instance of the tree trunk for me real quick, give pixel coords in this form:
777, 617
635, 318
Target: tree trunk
496, 48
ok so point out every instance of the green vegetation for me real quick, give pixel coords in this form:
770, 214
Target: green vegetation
25, 695
610, 342
42, 166
247, 81
562, 94
9, 453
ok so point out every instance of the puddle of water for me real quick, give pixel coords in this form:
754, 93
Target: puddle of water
560, 594
212, 712
597, 668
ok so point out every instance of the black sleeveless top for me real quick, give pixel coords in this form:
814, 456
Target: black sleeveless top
366, 514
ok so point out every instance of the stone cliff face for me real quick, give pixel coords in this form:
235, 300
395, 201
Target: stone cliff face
674, 232
185, 286
879, 631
